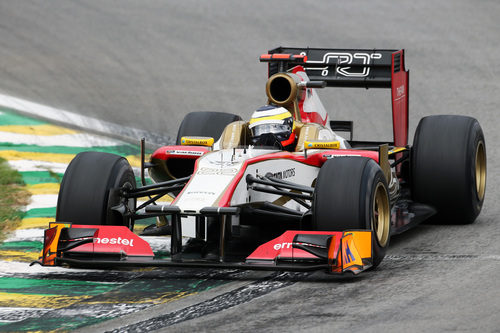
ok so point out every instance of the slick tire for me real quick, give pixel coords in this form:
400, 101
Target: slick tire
448, 167
86, 194
205, 123
351, 194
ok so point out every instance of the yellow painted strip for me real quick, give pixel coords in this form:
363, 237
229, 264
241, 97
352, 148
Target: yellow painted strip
48, 157
36, 222
138, 228
43, 188
38, 301
37, 129
18, 256
138, 298
134, 160
166, 200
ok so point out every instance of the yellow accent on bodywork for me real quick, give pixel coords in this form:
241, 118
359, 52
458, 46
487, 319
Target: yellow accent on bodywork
197, 141
321, 144
397, 150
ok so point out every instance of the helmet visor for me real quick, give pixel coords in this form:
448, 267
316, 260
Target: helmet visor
271, 128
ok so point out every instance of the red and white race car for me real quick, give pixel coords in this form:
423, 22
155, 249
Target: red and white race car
282, 191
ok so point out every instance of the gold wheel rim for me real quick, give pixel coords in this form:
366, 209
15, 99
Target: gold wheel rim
381, 217
480, 170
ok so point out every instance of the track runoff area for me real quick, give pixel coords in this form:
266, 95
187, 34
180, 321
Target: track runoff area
35, 298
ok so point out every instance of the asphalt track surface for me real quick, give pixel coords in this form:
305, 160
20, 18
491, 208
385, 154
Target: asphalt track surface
145, 64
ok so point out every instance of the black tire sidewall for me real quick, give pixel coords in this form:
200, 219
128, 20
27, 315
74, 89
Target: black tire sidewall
84, 191
443, 167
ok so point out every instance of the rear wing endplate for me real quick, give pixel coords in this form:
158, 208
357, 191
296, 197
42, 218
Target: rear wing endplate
354, 68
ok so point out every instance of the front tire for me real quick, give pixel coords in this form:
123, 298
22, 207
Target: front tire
351, 193
84, 195
448, 167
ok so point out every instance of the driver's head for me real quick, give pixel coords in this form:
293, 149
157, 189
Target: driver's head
273, 126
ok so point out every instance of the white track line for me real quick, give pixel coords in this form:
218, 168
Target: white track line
30, 165
71, 119
42, 201
19, 235
16, 267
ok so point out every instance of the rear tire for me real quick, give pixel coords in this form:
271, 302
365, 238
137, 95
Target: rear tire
84, 195
205, 123
448, 167
351, 193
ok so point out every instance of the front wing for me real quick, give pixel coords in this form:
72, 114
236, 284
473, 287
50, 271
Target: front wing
335, 252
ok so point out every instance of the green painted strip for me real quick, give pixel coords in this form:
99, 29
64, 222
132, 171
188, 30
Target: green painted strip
40, 177
10, 118
138, 181
54, 287
27, 246
146, 222
41, 212
123, 150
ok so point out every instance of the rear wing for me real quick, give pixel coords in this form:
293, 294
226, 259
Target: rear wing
354, 68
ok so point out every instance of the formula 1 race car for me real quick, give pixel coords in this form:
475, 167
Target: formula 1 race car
282, 191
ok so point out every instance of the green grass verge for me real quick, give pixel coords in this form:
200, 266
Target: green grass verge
12, 197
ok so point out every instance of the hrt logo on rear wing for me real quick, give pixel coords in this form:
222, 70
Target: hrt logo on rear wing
355, 68
343, 67
344, 63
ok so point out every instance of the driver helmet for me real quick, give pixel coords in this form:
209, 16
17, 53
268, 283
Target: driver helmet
273, 126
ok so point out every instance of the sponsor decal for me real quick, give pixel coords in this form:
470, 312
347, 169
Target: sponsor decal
215, 171
348, 256
285, 245
400, 91
322, 144
201, 192
280, 246
184, 152
197, 141
222, 163
284, 174
328, 156
114, 241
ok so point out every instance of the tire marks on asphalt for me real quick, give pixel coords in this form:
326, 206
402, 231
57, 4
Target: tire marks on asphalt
441, 257
219, 303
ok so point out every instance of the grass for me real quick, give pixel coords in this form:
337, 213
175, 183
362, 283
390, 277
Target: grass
13, 196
